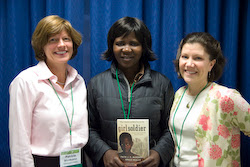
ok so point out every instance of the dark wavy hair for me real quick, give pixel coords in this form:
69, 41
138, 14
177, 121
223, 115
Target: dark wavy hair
125, 26
49, 26
212, 48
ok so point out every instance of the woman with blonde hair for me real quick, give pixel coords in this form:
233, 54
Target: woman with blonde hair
48, 109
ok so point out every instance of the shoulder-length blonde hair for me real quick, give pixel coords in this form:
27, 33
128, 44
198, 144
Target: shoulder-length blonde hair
49, 26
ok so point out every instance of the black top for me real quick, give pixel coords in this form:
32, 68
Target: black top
152, 99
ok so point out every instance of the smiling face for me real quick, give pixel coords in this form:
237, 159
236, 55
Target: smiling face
127, 51
194, 64
59, 49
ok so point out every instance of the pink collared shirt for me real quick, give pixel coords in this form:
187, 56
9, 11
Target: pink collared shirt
37, 121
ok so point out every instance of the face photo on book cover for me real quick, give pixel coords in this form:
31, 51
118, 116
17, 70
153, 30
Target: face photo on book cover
126, 144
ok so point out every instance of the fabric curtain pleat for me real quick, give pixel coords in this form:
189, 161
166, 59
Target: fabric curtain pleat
168, 21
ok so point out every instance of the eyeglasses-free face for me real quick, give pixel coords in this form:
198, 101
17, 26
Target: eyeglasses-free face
59, 48
127, 51
194, 64
126, 145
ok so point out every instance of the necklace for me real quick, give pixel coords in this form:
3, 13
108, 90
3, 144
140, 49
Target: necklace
60, 83
190, 100
178, 145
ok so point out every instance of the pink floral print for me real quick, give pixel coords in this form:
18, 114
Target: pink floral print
235, 141
218, 94
223, 131
205, 122
200, 161
242, 104
217, 131
235, 163
227, 104
235, 113
215, 152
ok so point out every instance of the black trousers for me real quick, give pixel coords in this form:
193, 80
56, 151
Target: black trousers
43, 161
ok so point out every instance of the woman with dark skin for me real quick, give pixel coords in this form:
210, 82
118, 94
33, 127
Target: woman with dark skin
129, 89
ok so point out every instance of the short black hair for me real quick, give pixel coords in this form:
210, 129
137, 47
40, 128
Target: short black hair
125, 135
125, 26
212, 48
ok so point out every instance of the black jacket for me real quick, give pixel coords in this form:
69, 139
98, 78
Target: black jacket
152, 98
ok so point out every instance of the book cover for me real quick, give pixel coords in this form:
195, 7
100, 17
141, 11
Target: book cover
133, 140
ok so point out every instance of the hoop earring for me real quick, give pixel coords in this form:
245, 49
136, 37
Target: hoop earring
179, 75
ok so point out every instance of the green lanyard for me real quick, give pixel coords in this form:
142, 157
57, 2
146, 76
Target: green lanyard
70, 123
125, 117
178, 145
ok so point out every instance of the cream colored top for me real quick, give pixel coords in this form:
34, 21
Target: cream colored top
188, 152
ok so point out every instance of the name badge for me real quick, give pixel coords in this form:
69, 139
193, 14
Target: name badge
70, 157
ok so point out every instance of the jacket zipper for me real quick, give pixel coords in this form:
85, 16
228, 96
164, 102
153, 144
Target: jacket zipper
128, 86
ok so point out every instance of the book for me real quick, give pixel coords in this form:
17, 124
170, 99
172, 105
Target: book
133, 140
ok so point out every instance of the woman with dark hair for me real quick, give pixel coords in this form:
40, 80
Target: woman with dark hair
206, 118
129, 89
48, 102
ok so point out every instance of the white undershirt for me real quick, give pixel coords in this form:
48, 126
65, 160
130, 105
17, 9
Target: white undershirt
188, 150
